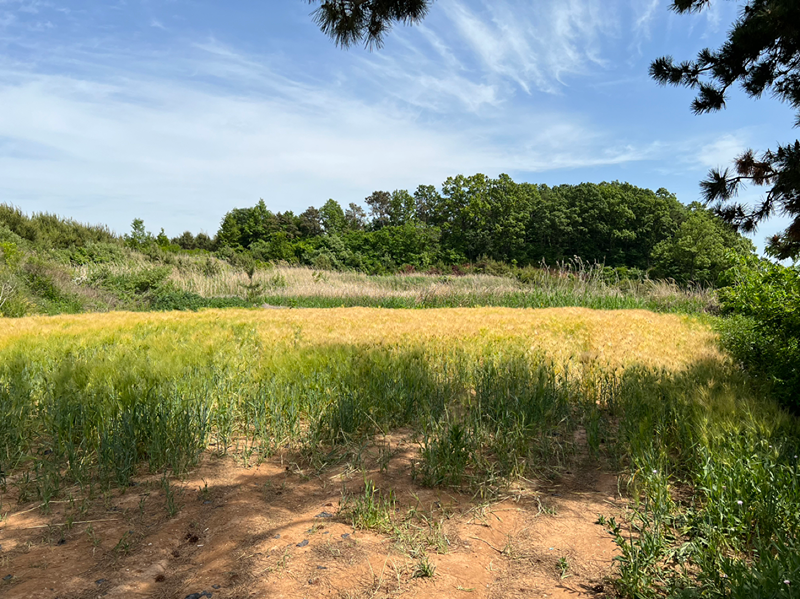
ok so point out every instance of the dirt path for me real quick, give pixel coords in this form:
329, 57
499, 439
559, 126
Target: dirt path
276, 530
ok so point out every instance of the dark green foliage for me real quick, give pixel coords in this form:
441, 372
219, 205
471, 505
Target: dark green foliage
764, 331
474, 219
760, 54
47, 231
701, 250
188, 241
617, 224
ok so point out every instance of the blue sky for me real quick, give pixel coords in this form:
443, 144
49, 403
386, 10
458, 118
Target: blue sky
176, 111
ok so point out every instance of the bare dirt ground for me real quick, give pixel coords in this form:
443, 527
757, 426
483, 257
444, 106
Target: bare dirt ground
276, 530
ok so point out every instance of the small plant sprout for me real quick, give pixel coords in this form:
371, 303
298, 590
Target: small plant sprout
563, 566
204, 491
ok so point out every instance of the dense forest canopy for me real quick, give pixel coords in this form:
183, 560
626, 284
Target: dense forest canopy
476, 217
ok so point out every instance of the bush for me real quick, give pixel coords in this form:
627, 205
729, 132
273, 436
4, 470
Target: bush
764, 331
134, 282
51, 286
97, 253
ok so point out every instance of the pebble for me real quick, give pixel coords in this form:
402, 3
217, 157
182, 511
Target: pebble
100, 581
8, 577
199, 595
345, 535
303, 543
324, 515
277, 537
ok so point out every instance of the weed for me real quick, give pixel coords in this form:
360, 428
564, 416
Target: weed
169, 497
93, 538
370, 509
204, 492
123, 546
424, 568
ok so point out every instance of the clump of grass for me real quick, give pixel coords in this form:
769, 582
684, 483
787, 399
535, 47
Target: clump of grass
424, 568
370, 509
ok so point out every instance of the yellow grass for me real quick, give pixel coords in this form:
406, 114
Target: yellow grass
613, 338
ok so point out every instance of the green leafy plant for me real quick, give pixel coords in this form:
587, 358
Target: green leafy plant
763, 332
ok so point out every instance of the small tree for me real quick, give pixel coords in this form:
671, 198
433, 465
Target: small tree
138, 238
355, 217
332, 217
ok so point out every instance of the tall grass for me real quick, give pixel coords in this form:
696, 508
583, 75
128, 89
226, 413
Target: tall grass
489, 395
206, 278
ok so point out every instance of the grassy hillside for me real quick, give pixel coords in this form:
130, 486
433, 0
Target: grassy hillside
50, 265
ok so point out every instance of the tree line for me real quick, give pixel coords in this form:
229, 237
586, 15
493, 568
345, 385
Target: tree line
473, 218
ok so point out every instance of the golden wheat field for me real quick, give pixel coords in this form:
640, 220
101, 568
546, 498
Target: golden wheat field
613, 338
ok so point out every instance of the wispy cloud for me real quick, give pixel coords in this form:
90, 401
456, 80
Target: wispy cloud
186, 150
126, 111
537, 45
644, 14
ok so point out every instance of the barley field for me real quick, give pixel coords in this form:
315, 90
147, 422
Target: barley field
482, 399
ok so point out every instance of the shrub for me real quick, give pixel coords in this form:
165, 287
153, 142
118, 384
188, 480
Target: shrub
135, 282
764, 332
96, 253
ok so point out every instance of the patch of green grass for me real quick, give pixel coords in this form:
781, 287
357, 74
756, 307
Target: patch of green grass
370, 509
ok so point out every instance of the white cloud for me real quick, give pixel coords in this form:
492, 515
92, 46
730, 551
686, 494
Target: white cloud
721, 152
183, 151
182, 132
